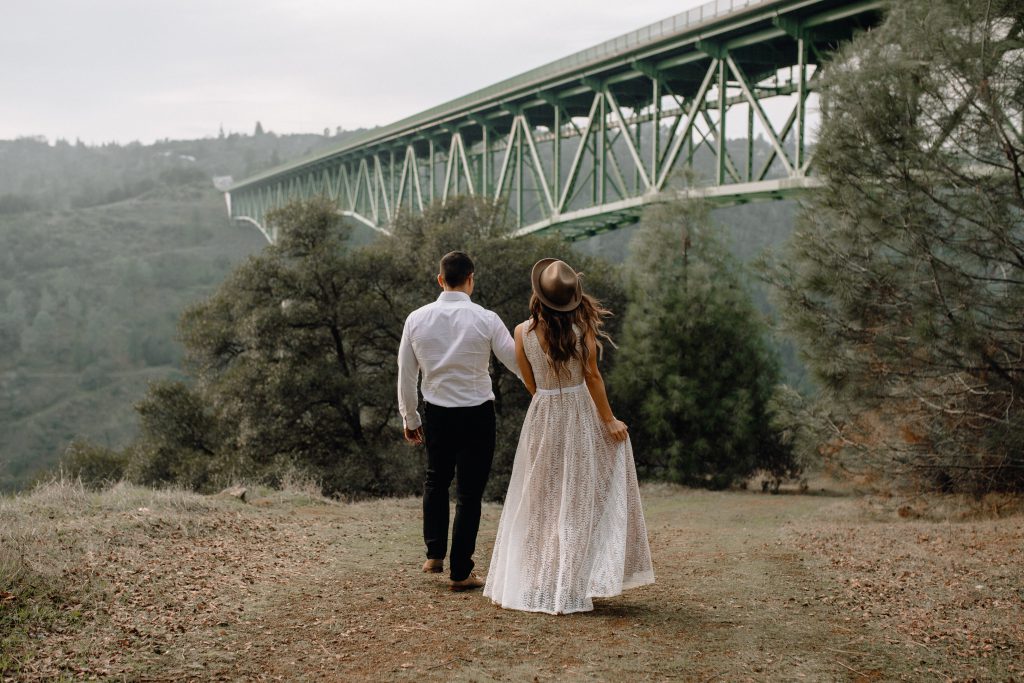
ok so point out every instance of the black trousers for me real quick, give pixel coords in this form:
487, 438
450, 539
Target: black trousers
460, 445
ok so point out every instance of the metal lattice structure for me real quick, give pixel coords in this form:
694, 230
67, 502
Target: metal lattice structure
580, 145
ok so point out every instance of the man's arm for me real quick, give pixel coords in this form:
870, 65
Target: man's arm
408, 371
503, 346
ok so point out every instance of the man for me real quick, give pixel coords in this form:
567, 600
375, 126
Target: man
450, 342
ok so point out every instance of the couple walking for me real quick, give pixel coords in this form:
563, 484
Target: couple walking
572, 527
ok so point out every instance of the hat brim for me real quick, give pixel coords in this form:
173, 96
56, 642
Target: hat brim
572, 304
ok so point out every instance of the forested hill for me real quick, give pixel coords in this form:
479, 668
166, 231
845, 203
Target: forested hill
36, 175
100, 250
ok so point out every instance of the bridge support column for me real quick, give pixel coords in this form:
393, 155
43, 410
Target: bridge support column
801, 102
557, 153
722, 148
519, 173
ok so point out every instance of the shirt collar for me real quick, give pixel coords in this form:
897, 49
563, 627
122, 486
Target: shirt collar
453, 296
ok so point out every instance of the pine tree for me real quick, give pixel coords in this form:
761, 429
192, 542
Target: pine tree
693, 368
905, 279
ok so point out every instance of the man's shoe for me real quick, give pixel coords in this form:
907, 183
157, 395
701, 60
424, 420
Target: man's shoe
433, 566
467, 584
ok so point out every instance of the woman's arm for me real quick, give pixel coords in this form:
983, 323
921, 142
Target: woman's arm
617, 430
524, 363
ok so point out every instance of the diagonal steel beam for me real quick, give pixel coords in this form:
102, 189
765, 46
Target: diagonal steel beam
378, 169
784, 131
344, 180
616, 176
772, 154
402, 178
629, 138
465, 164
574, 169
499, 187
720, 147
538, 168
449, 167
416, 179
756, 104
691, 116
677, 114
367, 187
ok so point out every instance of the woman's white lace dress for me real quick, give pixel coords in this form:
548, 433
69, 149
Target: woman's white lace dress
572, 527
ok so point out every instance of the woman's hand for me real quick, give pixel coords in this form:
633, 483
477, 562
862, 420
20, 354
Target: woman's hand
617, 430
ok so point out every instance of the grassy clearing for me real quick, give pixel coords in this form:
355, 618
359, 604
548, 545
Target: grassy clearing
167, 585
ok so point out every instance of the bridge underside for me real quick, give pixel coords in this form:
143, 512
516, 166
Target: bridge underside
702, 104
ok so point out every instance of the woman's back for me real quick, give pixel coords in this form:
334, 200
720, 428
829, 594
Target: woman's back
543, 368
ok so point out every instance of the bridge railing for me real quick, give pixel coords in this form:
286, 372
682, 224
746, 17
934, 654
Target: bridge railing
678, 22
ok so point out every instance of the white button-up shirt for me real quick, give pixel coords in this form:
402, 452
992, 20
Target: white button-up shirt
450, 342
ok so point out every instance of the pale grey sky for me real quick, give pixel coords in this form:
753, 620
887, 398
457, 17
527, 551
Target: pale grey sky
123, 70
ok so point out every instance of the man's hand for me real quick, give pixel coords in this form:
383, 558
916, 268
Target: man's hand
414, 436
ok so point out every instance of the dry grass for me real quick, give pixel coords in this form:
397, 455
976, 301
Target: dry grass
64, 550
161, 585
944, 583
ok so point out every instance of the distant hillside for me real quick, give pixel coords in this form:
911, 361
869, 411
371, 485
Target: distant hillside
91, 299
35, 175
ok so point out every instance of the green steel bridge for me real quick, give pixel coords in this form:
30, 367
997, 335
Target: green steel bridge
712, 102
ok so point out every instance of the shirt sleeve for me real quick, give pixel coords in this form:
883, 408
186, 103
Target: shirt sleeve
503, 346
408, 372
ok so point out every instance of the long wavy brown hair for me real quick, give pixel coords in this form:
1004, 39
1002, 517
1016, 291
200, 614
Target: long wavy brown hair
560, 339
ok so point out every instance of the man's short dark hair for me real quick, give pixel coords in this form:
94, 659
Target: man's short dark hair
456, 267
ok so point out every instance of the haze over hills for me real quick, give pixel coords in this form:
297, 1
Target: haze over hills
101, 248
92, 298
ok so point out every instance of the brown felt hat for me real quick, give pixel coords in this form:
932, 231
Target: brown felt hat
556, 284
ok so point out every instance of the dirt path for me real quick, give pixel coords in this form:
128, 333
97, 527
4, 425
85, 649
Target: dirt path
749, 586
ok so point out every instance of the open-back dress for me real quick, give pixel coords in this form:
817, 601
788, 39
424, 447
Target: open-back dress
572, 527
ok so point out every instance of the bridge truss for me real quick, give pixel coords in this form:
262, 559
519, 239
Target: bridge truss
714, 102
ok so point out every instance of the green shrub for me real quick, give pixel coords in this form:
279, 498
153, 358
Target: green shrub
96, 466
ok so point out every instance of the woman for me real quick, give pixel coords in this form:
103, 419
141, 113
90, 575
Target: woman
572, 528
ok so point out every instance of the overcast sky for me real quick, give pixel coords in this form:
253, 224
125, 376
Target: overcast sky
123, 70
